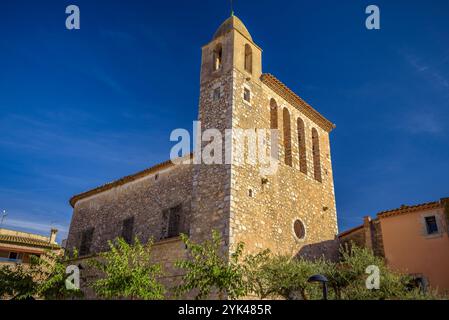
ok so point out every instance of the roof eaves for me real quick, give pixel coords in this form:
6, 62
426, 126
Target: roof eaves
286, 93
409, 209
122, 181
24, 241
345, 233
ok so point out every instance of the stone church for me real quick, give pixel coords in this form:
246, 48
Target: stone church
291, 212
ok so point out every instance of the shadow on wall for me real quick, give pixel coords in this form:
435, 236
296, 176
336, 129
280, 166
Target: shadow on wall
328, 249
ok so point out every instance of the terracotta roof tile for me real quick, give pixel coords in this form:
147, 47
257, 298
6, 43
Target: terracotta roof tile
407, 209
27, 241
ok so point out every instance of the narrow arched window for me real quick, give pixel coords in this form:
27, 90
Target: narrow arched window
316, 155
248, 58
217, 57
274, 126
273, 114
287, 137
302, 146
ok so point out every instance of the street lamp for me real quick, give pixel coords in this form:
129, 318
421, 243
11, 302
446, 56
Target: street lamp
323, 280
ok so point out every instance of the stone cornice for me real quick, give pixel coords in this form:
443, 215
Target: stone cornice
282, 90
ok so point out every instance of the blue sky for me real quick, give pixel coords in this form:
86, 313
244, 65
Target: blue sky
81, 108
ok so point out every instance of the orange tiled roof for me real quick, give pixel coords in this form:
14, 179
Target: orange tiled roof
407, 209
398, 211
281, 89
11, 239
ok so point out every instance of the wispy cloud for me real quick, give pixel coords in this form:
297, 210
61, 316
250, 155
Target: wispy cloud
37, 226
108, 80
118, 36
67, 180
422, 123
428, 70
58, 138
40, 227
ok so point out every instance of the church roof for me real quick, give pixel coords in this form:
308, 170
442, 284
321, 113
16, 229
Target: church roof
232, 23
282, 90
122, 181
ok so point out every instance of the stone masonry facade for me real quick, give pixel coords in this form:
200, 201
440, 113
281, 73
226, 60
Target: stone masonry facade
291, 211
368, 235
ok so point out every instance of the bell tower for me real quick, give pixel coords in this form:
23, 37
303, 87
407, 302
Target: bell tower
231, 54
290, 210
231, 47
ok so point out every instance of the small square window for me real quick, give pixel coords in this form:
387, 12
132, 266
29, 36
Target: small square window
247, 95
431, 225
13, 255
216, 94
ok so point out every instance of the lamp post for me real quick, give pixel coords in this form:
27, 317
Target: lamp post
323, 280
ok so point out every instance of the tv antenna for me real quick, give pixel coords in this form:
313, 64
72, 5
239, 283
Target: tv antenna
53, 223
3, 216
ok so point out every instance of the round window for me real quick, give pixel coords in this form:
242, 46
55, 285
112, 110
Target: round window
298, 227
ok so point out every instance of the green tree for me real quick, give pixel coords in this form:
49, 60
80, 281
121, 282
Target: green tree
43, 278
286, 277
16, 282
283, 276
128, 272
256, 280
209, 270
348, 278
49, 271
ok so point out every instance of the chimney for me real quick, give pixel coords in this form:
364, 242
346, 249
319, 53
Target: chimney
53, 234
367, 228
366, 220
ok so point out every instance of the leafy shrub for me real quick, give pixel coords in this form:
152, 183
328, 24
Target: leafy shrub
43, 278
127, 272
208, 270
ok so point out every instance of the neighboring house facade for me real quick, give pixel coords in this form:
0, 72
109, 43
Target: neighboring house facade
17, 247
291, 211
412, 239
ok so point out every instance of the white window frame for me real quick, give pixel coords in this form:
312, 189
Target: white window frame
424, 225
